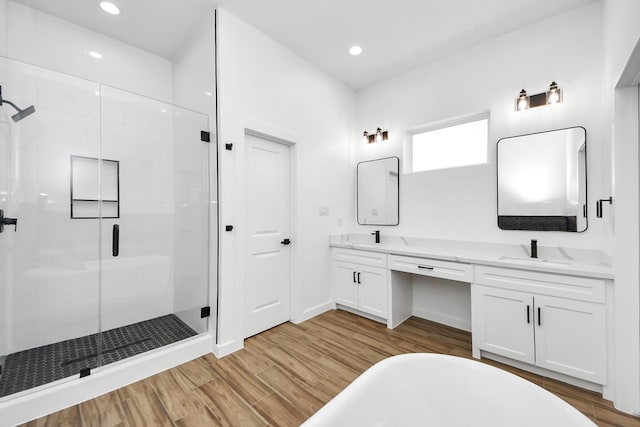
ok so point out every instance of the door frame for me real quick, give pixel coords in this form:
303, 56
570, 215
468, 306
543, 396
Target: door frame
624, 366
242, 219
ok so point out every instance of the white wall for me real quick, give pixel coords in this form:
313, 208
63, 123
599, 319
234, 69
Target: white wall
4, 33
460, 203
194, 70
621, 39
266, 88
46, 41
621, 34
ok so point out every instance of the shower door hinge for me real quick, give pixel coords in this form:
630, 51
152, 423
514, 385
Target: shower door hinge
85, 372
205, 136
205, 312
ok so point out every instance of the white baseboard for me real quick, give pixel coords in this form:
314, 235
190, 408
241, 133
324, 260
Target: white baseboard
49, 398
362, 314
445, 319
587, 385
313, 312
225, 349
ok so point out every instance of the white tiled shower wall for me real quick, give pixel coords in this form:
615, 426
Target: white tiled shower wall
55, 296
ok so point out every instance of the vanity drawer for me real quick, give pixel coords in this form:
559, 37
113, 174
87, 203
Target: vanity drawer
374, 259
573, 287
432, 267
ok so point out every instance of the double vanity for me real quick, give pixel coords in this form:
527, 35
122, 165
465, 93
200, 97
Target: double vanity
543, 309
549, 314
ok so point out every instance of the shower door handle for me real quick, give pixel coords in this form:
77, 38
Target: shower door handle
7, 221
115, 240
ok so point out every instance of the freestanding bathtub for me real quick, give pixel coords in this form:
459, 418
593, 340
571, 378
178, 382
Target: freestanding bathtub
422, 389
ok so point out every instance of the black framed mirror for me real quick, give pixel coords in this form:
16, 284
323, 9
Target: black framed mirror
542, 181
378, 188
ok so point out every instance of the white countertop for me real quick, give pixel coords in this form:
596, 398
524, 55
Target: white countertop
575, 262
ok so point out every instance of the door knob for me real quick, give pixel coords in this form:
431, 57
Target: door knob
286, 242
7, 221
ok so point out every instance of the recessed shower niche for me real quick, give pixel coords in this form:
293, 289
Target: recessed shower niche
86, 200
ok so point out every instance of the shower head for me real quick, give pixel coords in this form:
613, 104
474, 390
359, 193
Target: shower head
21, 114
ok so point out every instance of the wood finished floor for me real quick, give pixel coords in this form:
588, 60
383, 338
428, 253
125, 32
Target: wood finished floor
284, 375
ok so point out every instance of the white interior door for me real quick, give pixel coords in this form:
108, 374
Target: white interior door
268, 227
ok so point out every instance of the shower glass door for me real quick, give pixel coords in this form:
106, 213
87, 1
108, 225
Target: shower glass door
110, 255
49, 263
154, 276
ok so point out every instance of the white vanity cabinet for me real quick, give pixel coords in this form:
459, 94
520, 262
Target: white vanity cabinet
359, 280
553, 321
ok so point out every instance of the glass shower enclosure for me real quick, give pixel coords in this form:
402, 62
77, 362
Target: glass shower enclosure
104, 249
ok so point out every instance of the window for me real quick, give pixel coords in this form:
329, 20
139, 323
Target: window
450, 144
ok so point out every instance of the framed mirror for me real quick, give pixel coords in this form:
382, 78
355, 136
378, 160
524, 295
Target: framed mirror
377, 192
542, 181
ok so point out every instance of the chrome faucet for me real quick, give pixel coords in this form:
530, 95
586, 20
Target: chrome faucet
377, 234
534, 248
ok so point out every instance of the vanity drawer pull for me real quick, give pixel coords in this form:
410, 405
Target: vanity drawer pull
539, 321
426, 267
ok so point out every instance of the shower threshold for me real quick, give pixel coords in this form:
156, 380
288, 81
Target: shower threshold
41, 365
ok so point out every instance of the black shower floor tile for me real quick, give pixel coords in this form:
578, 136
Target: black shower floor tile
37, 366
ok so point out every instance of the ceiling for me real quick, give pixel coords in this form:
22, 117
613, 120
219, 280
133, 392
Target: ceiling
158, 26
396, 35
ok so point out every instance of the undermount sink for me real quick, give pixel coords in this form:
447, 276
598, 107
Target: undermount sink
539, 261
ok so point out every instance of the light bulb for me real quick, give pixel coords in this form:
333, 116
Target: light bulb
365, 136
523, 101
554, 93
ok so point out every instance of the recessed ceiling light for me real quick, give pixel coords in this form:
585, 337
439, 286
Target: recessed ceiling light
355, 50
208, 93
110, 8
94, 54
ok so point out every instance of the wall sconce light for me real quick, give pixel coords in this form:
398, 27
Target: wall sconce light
552, 96
522, 103
378, 136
